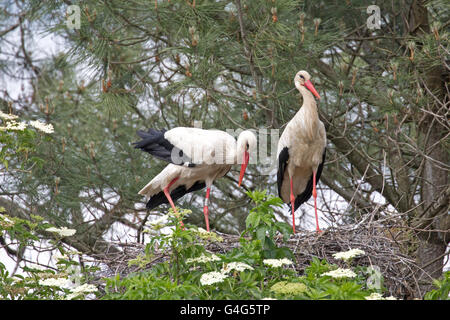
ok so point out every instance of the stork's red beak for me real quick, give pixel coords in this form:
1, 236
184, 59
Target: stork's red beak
244, 166
311, 88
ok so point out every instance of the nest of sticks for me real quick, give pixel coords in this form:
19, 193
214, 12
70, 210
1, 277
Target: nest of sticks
385, 252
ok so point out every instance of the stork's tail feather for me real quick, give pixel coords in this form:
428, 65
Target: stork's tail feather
149, 138
153, 142
157, 200
160, 198
303, 197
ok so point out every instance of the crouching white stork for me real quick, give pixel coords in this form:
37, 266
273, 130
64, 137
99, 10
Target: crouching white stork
197, 157
301, 151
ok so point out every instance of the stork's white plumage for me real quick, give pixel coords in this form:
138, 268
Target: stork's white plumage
201, 146
197, 157
301, 151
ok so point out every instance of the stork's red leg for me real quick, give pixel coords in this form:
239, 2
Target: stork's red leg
167, 193
205, 209
292, 206
314, 193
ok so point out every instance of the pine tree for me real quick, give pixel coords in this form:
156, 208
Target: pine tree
230, 64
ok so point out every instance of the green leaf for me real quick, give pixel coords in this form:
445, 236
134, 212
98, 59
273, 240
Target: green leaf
261, 234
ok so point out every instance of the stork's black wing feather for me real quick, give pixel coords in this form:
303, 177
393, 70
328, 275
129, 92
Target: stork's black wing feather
176, 194
305, 195
153, 142
283, 158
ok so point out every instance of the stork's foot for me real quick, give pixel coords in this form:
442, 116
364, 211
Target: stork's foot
320, 233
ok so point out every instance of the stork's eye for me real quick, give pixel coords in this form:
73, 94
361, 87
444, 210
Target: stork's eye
248, 146
302, 77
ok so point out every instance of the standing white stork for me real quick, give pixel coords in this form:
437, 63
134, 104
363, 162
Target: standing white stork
301, 151
197, 157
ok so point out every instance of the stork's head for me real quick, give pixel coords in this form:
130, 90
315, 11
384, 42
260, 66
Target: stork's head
246, 146
302, 79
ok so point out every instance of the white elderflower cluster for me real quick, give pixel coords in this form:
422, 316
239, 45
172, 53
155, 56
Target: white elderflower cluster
203, 259
378, 296
6, 116
47, 128
289, 288
159, 223
277, 262
340, 273
205, 235
55, 282
374, 296
212, 277
63, 231
350, 254
238, 266
81, 290
14, 126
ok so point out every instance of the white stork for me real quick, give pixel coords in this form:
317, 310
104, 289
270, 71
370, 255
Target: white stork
197, 157
301, 151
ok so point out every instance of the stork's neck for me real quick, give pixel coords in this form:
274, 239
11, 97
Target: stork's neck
307, 116
309, 103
